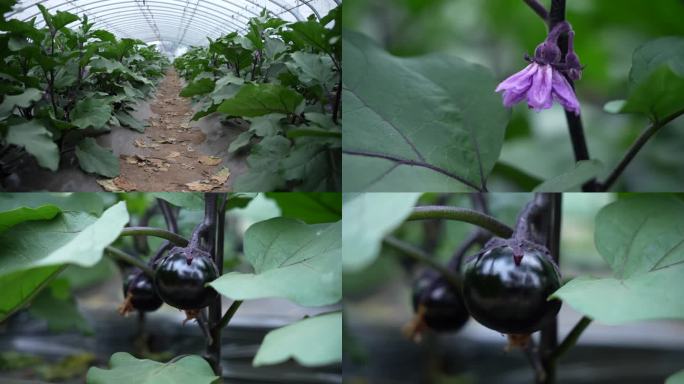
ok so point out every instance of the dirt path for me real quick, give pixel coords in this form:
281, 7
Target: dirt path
167, 156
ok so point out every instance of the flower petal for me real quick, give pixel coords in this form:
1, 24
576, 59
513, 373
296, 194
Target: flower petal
564, 94
519, 81
539, 95
510, 98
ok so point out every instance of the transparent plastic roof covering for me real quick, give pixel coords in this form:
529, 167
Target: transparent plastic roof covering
173, 24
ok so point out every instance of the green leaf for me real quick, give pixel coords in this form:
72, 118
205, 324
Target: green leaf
22, 100
77, 201
312, 342
264, 166
571, 181
94, 159
37, 141
127, 369
18, 215
311, 33
34, 252
91, 112
292, 260
188, 200
308, 163
656, 80
311, 208
62, 19
198, 87
312, 69
677, 378
367, 218
241, 141
58, 307
415, 124
126, 120
642, 239
262, 99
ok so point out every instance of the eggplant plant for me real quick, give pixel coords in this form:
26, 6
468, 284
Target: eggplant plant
284, 79
507, 278
66, 83
295, 257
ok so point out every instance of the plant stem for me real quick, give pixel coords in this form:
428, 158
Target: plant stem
538, 8
549, 333
418, 255
579, 142
229, 313
462, 214
635, 148
212, 230
156, 232
571, 338
132, 260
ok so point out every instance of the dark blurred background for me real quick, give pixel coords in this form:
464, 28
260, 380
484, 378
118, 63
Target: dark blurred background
497, 33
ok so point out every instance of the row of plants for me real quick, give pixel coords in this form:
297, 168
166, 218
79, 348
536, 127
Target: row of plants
285, 80
185, 250
62, 86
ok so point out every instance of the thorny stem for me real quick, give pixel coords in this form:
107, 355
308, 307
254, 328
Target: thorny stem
635, 148
132, 260
579, 142
462, 214
156, 232
571, 338
418, 255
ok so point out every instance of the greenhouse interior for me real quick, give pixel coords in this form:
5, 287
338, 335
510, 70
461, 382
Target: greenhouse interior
176, 96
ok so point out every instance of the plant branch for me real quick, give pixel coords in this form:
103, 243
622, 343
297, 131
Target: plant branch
538, 8
129, 259
462, 214
156, 232
418, 255
579, 142
229, 313
635, 148
571, 338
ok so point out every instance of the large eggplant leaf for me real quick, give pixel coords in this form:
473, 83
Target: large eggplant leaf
642, 239
34, 252
430, 123
291, 260
315, 341
125, 368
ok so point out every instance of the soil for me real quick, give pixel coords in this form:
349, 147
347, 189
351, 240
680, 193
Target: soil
166, 157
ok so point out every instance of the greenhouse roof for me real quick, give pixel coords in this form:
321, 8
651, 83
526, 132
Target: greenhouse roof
173, 23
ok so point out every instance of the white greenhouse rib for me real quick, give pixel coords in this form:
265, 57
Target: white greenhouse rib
170, 21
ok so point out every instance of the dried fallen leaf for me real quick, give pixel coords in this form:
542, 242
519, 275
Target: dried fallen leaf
117, 184
210, 160
140, 143
190, 148
185, 126
173, 155
221, 176
200, 186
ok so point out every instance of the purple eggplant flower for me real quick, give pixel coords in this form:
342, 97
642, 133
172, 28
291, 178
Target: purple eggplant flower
544, 81
540, 84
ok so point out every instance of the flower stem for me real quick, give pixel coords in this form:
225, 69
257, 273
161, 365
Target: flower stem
575, 127
418, 255
462, 214
635, 148
129, 259
538, 8
157, 232
572, 337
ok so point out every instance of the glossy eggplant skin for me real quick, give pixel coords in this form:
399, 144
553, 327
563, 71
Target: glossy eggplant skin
444, 308
180, 279
508, 297
144, 297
